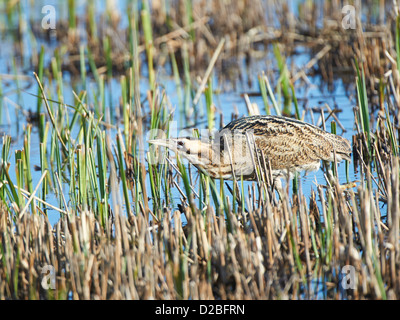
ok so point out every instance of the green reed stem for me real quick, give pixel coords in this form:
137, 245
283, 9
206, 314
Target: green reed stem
40, 76
72, 14
363, 105
122, 173
82, 65
264, 94
208, 92
148, 39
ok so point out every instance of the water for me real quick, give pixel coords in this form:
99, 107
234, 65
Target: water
17, 102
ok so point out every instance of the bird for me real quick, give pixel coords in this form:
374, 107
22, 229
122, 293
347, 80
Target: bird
288, 146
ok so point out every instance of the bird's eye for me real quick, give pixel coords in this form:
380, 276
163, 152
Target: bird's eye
180, 143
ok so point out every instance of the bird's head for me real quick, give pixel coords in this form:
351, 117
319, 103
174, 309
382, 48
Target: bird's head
195, 150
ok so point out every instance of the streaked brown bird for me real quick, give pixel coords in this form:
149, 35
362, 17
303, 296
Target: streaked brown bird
288, 145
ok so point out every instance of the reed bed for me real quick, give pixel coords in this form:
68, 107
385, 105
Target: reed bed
132, 228
270, 251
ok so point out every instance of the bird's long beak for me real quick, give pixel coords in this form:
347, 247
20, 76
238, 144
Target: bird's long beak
159, 142
168, 143
189, 149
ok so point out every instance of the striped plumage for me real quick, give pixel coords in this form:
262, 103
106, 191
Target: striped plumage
289, 145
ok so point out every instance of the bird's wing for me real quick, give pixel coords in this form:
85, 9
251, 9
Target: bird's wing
289, 142
290, 151
290, 146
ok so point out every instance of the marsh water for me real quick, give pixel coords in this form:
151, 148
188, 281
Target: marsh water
19, 89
